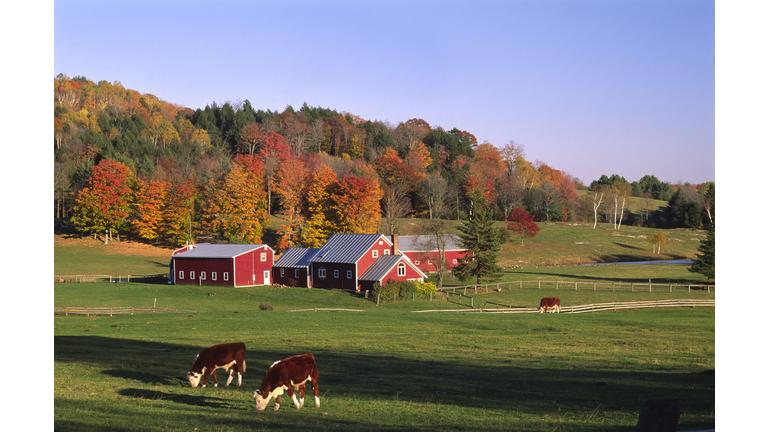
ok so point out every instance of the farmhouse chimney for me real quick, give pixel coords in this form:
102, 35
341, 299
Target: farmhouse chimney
395, 245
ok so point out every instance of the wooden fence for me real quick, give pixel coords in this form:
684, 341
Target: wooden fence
595, 307
109, 278
581, 285
120, 310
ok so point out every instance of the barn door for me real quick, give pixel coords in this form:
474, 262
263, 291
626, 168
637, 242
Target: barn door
266, 277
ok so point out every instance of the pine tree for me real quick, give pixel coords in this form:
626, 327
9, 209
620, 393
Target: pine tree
705, 260
483, 241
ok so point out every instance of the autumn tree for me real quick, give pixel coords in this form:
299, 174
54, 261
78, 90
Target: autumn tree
148, 204
104, 205
657, 240
355, 205
316, 209
176, 225
237, 204
434, 237
273, 154
395, 204
250, 138
522, 223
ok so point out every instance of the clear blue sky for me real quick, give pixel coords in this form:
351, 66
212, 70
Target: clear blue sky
588, 87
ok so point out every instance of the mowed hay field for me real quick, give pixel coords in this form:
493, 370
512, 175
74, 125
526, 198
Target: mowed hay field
384, 367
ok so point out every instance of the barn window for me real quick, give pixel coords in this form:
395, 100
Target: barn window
375, 253
455, 261
263, 256
213, 275
202, 275
381, 242
386, 251
401, 269
321, 272
192, 275
417, 262
336, 274
226, 276
296, 273
181, 274
429, 262
282, 272
349, 274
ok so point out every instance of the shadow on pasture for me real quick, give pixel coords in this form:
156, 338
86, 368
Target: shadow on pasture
626, 246
203, 401
497, 383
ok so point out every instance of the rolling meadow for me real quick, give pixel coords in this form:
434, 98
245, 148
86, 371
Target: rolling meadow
392, 366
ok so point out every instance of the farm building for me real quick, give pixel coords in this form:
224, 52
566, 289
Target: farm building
292, 268
423, 252
235, 265
345, 257
387, 268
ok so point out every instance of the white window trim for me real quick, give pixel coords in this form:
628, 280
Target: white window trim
181, 274
213, 275
336, 274
321, 272
386, 251
400, 267
263, 256
349, 274
202, 275
192, 274
375, 253
296, 273
226, 276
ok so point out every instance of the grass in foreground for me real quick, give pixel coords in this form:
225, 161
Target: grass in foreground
382, 369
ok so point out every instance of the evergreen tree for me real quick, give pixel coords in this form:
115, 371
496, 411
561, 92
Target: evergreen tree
483, 241
705, 260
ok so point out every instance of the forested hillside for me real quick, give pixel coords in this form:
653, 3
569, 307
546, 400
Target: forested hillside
127, 163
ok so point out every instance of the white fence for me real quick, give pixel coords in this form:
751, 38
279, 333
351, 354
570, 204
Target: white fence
595, 307
121, 310
108, 278
582, 285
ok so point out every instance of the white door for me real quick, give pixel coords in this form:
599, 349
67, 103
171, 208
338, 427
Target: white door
266, 277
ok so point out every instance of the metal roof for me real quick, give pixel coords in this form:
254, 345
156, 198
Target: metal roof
207, 250
296, 257
418, 243
347, 248
383, 265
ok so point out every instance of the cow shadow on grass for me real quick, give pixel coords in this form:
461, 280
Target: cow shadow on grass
491, 383
195, 400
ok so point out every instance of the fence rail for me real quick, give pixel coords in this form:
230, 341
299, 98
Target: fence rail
326, 309
595, 307
120, 310
581, 285
108, 278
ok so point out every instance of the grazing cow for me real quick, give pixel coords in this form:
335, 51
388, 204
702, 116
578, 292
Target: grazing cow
230, 357
549, 303
285, 375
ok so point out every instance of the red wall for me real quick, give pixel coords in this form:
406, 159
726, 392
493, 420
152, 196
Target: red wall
209, 266
422, 257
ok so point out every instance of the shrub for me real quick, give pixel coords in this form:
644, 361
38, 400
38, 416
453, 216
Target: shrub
266, 306
425, 289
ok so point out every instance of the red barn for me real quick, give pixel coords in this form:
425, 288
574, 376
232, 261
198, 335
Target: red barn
292, 268
345, 257
392, 267
235, 265
423, 252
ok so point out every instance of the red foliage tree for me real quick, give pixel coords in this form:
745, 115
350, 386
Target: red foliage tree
522, 223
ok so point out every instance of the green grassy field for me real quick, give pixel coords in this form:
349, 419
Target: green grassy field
386, 367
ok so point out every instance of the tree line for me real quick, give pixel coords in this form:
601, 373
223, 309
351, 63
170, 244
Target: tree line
132, 164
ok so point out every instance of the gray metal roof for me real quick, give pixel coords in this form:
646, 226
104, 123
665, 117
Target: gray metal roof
207, 250
418, 243
296, 257
383, 265
346, 248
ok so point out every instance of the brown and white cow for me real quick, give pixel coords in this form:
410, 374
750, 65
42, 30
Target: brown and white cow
284, 375
549, 303
230, 357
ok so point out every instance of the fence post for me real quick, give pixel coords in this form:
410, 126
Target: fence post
576, 285
521, 284
594, 286
539, 283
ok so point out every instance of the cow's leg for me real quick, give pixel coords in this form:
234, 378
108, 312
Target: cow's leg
215, 382
230, 375
302, 388
316, 391
277, 403
292, 394
206, 375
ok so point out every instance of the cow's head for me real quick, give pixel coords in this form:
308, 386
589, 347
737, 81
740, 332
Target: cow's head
194, 378
262, 398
